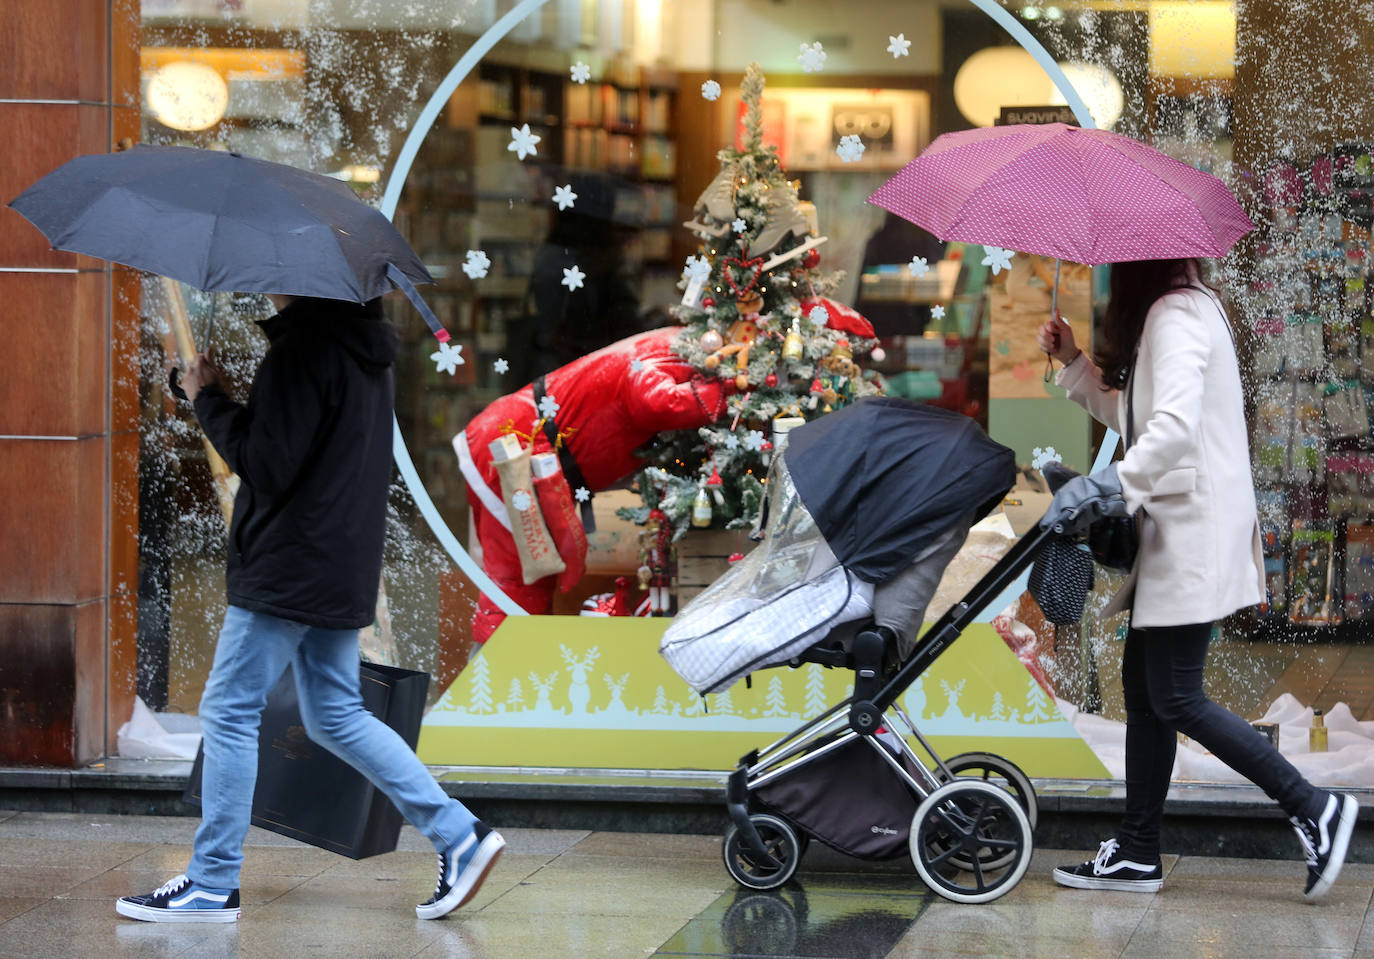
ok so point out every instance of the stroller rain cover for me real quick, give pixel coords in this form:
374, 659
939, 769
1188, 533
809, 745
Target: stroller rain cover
858, 495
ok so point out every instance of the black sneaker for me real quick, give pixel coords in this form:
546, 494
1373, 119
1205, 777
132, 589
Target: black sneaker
1325, 840
462, 868
182, 900
1108, 870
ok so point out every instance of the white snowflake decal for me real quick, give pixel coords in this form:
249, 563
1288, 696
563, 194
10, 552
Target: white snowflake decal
851, 148
697, 268
580, 72
997, 258
448, 358
564, 196
731, 441
636, 365
573, 277
476, 264
522, 141
500, 366
754, 440
899, 46
710, 90
548, 406
937, 312
582, 494
521, 500
739, 226
918, 266
812, 58
818, 315
1043, 455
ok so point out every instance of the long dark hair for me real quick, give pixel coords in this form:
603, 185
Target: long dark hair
1134, 287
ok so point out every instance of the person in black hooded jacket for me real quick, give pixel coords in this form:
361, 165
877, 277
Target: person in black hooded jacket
312, 450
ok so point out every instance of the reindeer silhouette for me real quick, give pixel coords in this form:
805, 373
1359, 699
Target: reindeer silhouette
616, 687
579, 693
952, 694
544, 686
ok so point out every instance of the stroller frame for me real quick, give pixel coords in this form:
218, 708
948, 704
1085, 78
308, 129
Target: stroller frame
861, 715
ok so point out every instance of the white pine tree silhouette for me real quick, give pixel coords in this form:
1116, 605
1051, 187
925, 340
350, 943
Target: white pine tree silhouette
815, 690
1038, 703
479, 698
722, 704
660, 706
515, 699
775, 703
999, 708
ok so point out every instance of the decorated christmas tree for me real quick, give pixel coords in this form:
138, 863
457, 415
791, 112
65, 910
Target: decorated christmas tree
755, 312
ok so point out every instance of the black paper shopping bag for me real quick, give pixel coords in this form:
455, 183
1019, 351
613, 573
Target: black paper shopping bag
306, 792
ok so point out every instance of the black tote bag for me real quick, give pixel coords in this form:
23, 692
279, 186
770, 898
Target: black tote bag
306, 792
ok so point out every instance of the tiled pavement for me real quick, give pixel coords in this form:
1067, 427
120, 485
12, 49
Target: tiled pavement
573, 893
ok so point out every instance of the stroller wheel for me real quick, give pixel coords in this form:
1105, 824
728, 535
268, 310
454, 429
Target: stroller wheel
989, 767
780, 845
976, 823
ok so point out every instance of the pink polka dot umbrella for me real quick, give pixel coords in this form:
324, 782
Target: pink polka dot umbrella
1090, 196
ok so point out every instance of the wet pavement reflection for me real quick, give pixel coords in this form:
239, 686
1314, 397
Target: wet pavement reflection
847, 917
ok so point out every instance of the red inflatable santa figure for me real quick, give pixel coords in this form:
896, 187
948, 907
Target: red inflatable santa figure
533, 458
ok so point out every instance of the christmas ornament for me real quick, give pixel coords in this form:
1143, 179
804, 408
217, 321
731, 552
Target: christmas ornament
701, 508
792, 346
838, 317
811, 259
752, 268
708, 301
711, 341
656, 572
749, 305
743, 332
771, 380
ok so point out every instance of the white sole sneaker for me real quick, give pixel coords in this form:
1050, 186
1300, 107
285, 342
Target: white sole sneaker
1066, 877
1340, 843
149, 914
469, 881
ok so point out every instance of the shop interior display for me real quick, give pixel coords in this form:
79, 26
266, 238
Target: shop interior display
1312, 367
609, 140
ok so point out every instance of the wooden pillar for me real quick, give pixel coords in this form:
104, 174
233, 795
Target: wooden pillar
68, 397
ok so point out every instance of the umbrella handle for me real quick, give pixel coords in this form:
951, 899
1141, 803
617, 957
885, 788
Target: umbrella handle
403, 283
1054, 312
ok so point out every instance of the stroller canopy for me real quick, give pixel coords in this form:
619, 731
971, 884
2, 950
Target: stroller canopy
884, 477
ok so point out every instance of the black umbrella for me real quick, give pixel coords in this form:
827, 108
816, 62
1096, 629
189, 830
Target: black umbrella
224, 221
882, 478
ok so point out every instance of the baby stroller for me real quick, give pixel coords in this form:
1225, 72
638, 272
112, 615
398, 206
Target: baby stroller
865, 508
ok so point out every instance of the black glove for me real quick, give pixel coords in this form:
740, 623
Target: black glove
1083, 500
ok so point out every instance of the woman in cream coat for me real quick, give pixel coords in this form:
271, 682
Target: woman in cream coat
1185, 476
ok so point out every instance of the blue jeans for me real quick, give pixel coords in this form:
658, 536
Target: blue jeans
253, 652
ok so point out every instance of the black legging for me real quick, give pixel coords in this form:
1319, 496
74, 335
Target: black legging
1161, 672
